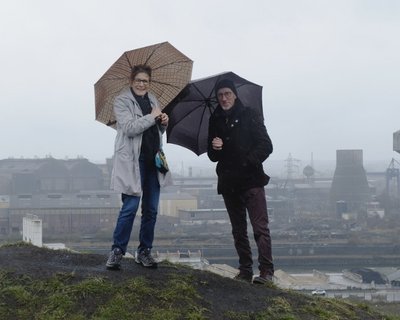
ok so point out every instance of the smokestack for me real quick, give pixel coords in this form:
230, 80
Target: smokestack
396, 141
350, 184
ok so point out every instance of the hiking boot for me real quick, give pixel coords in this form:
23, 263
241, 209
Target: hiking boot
244, 276
114, 259
263, 278
146, 259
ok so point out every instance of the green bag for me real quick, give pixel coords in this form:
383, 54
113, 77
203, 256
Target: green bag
161, 162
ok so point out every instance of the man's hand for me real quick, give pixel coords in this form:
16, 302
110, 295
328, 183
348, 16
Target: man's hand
217, 143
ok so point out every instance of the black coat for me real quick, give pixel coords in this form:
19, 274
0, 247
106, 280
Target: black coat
246, 144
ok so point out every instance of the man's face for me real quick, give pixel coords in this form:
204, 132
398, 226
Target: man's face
226, 98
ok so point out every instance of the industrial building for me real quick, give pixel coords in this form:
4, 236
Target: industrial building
350, 191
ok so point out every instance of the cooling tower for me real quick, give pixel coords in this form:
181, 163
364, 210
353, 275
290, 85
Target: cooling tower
349, 184
396, 141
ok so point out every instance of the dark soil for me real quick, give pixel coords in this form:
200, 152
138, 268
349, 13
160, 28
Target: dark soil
218, 294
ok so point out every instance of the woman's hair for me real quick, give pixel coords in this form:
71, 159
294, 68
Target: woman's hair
139, 69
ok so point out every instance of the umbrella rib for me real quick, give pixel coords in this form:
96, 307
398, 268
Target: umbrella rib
204, 102
152, 53
113, 78
208, 99
168, 84
200, 92
190, 111
205, 106
172, 63
200, 124
127, 59
155, 81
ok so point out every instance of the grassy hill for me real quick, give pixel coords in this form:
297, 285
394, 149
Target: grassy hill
38, 283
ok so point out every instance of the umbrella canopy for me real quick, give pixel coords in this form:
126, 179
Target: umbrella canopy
171, 71
191, 109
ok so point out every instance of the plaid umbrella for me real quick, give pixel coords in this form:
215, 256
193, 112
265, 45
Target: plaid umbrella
191, 109
171, 71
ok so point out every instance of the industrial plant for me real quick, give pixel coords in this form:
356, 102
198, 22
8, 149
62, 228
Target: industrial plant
345, 222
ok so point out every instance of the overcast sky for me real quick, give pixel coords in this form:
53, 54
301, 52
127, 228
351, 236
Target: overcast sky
330, 70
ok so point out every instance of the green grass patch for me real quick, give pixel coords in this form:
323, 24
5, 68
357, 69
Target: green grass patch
64, 297
173, 292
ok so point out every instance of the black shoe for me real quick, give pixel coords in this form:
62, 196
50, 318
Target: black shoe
244, 276
145, 259
114, 259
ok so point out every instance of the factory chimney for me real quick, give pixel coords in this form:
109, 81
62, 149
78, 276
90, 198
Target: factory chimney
349, 191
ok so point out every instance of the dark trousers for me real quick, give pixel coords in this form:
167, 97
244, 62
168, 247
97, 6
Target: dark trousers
254, 201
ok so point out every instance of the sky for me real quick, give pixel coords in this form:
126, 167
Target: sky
330, 70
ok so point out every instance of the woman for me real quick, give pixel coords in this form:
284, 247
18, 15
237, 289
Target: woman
140, 124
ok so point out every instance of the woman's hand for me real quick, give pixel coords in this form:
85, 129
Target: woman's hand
156, 113
164, 119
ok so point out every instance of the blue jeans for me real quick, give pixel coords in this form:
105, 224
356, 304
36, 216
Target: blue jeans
130, 204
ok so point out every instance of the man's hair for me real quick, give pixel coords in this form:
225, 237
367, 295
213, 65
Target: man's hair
225, 83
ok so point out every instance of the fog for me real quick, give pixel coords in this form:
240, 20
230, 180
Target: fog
329, 69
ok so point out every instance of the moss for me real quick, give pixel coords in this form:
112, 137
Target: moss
16, 244
173, 292
329, 309
21, 300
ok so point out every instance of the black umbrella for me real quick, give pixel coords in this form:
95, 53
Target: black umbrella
190, 110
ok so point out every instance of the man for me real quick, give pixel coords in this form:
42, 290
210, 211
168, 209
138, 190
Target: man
239, 142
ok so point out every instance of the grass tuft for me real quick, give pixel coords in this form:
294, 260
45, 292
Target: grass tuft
172, 292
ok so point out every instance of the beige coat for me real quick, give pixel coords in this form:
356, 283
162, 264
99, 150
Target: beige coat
131, 124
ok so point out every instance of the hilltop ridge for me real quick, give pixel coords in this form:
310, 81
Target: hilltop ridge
59, 284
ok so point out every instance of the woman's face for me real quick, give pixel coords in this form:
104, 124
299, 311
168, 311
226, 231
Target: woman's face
141, 83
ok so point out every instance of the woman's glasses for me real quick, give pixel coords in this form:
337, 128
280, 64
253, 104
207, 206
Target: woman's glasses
141, 81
